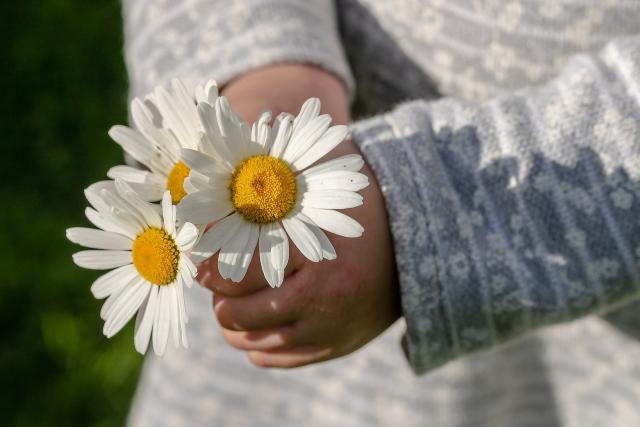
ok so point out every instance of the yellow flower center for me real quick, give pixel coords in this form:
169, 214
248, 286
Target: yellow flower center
155, 256
263, 189
175, 181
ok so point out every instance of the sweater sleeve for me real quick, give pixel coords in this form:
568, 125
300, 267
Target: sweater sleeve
515, 213
222, 39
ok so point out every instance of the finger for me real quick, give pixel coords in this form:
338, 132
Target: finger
209, 276
267, 309
270, 339
290, 358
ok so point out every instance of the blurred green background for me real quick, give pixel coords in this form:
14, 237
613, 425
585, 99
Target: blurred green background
63, 85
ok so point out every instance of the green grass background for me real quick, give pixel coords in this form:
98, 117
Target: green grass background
63, 84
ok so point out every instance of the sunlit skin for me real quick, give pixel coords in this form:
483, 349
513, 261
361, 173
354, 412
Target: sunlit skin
322, 310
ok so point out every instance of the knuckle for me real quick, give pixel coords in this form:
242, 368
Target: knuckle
226, 316
233, 340
224, 287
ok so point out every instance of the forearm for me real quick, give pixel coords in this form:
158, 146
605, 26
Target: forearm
226, 39
284, 88
515, 213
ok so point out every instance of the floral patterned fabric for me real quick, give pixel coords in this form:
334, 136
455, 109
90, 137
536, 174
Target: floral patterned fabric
505, 136
525, 207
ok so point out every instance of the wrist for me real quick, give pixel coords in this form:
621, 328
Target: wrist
285, 87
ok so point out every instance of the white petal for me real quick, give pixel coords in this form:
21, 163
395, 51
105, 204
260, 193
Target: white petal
93, 193
107, 223
128, 222
184, 319
134, 143
146, 210
328, 251
174, 314
135, 175
215, 237
199, 93
187, 103
113, 281
331, 199
148, 185
274, 253
168, 217
109, 304
208, 93
309, 111
123, 213
184, 275
140, 315
205, 206
187, 270
349, 162
189, 185
161, 323
148, 192
333, 180
235, 255
211, 91
334, 136
112, 210
102, 260
303, 238
249, 148
110, 197
199, 182
98, 239
126, 306
304, 139
209, 147
187, 236
203, 163
179, 113
257, 136
231, 129
261, 133
215, 140
334, 221
145, 325
283, 134
148, 120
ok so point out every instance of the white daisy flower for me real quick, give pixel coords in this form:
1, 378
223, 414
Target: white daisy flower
258, 184
150, 259
166, 121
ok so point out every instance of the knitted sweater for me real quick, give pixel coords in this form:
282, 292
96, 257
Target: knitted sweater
505, 136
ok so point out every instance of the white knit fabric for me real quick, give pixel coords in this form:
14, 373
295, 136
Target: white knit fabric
514, 204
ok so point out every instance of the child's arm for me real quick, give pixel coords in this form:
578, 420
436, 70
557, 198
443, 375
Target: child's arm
515, 213
506, 216
224, 39
326, 309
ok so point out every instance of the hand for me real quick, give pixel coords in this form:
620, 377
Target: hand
323, 310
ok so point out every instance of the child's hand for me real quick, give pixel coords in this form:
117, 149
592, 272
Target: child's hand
323, 310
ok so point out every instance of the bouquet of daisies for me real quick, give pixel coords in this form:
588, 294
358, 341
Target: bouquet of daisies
211, 183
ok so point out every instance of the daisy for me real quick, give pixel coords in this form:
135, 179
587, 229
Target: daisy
166, 121
259, 187
150, 261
